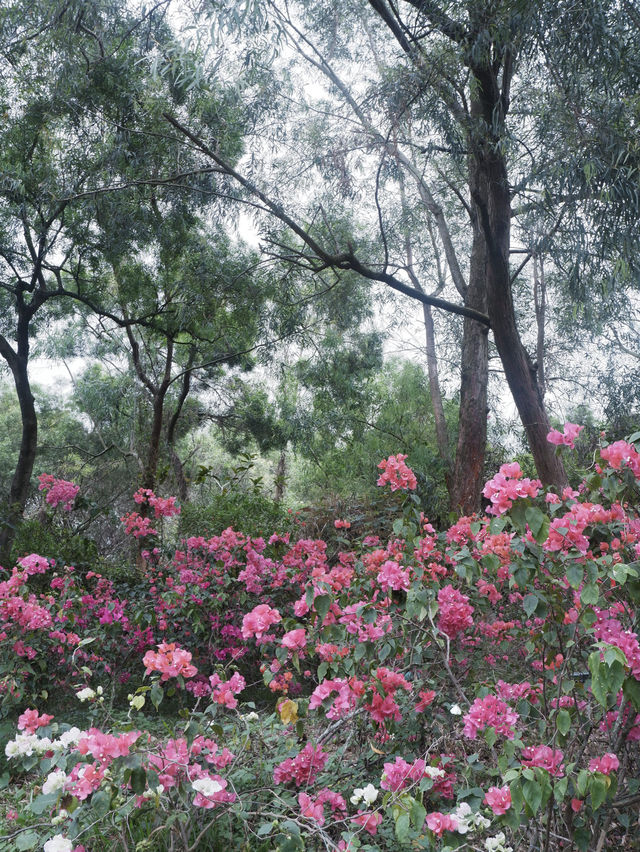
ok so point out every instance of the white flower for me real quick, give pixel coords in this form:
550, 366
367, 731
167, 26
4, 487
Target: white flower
59, 843
455, 710
467, 820
250, 717
43, 744
85, 694
207, 786
11, 749
434, 772
23, 744
55, 781
497, 843
368, 793
70, 737
462, 815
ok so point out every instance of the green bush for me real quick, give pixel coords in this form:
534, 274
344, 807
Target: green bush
254, 514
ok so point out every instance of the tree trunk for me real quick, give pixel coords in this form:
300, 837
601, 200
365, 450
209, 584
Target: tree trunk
468, 472
19, 490
280, 479
492, 201
153, 455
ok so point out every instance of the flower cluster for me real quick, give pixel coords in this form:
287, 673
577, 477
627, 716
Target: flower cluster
137, 526
567, 437
170, 661
490, 712
396, 472
58, 491
301, 769
224, 692
544, 757
498, 799
163, 507
506, 486
454, 615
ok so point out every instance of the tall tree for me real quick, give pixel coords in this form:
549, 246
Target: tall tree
82, 123
445, 93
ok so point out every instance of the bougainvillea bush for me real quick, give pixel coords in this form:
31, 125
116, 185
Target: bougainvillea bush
476, 688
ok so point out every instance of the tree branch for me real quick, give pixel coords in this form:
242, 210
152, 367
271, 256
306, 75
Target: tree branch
345, 260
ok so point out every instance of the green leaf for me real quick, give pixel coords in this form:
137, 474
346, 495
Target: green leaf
560, 789
321, 605
598, 790
575, 573
598, 686
27, 840
616, 676
589, 595
535, 518
43, 803
138, 781
402, 827
581, 782
563, 721
384, 652
101, 801
582, 838
631, 691
490, 736
515, 788
156, 695
532, 793
418, 815
530, 603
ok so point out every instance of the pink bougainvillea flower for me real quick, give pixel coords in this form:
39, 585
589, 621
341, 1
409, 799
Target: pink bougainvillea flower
621, 454
137, 526
439, 823
498, 799
490, 712
58, 491
369, 821
506, 486
454, 615
301, 769
310, 808
565, 438
426, 697
224, 692
295, 640
170, 661
397, 474
605, 764
259, 620
544, 757
31, 720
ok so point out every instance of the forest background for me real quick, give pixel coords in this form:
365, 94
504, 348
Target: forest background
440, 247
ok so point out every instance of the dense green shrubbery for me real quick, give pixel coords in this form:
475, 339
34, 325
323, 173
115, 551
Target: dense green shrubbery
252, 512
